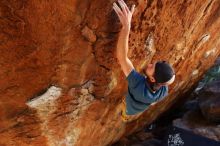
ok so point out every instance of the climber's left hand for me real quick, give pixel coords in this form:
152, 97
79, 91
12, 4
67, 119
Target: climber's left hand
124, 14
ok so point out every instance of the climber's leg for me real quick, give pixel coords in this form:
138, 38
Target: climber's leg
128, 118
124, 116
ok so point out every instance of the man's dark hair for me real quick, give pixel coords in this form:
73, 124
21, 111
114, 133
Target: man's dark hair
163, 72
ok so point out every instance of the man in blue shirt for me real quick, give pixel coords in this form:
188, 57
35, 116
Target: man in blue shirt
142, 90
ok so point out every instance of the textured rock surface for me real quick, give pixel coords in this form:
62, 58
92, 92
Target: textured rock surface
49, 47
195, 122
209, 101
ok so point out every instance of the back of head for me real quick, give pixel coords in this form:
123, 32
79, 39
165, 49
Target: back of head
163, 72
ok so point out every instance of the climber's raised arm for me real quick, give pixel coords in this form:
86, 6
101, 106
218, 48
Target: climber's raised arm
125, 16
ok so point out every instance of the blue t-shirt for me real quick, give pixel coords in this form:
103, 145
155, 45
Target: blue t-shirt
139, 95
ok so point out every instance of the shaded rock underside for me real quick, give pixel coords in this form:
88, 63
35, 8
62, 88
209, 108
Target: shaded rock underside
60, 83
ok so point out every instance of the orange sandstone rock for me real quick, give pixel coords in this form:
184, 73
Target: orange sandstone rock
60, 83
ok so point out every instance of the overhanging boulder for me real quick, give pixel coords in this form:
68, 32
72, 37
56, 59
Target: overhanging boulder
69, 46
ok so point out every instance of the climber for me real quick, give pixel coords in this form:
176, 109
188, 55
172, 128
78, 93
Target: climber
146, 89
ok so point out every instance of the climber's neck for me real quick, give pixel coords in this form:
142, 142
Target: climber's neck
152, 85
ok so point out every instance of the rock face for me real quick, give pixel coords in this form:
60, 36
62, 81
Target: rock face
209, 101
203, 116
60, 81
195, 122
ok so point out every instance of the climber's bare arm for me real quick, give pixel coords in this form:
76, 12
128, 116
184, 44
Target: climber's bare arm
122, 51
124, 15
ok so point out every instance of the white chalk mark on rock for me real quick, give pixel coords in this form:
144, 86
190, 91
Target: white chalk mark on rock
50, 96
195, 72
149, 43
202, 40
209, 52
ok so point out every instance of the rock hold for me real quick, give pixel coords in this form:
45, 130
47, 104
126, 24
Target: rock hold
89, 34
67, 43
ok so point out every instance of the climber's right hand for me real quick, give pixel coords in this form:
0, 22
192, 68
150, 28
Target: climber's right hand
124, 14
